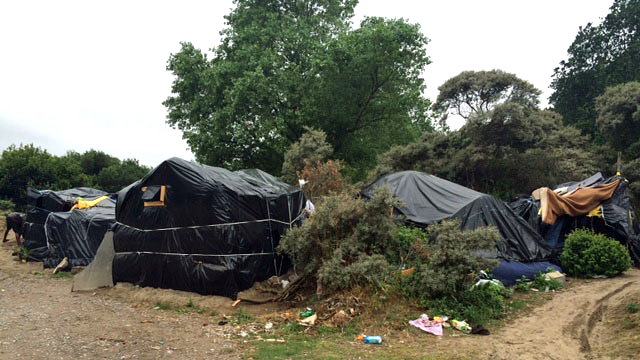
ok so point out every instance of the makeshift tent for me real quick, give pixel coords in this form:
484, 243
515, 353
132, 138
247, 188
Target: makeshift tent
611, 214
77, 235
199, 228
42, 203
427, 199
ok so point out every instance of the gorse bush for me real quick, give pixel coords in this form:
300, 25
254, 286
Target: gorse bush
587, 254
347, 242
411, 242
449, 259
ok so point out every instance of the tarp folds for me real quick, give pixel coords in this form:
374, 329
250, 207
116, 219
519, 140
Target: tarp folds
576, 203
78, 234
215, 232
618, 216
428, 199
42, 203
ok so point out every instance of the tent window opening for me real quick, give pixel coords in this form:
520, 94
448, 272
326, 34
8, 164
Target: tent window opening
154, 195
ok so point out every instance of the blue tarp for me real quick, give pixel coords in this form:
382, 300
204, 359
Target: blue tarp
510, 271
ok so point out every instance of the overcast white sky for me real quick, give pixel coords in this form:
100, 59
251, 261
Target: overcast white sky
76, 75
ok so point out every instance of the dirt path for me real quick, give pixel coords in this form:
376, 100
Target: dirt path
41, 319
569, 326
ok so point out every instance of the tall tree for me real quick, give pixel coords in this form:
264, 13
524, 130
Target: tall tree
619, 117
600, 56
286, 64
473, 92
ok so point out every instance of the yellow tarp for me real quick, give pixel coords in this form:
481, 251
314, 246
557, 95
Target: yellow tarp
86, 204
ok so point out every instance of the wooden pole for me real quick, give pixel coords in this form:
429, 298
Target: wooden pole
618, 166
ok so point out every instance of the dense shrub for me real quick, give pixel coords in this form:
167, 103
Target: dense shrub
587, 254
347, 242
475, 305
6, 207
311, 148
448, 260
323, 178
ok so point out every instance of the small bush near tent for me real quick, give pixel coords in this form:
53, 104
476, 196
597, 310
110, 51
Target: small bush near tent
587, 254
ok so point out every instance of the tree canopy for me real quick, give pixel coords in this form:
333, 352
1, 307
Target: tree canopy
283, 65
472, 92
30, 166
600, 56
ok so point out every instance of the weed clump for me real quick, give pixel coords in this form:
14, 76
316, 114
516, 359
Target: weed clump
587, 254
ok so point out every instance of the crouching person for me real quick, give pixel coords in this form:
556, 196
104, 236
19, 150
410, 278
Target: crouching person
15, 222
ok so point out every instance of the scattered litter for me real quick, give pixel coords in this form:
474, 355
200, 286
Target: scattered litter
557, 276
534, 289
306, 314
156, 308
236, 303
408, 272
222, 322
243, 334
370, 339
461, 325
284, 283
309, 321
146, 321
486, 282
268, 326
161, 342
205, 325
287, 316
423, 323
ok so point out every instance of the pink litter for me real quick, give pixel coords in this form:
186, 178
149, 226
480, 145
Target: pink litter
423, 323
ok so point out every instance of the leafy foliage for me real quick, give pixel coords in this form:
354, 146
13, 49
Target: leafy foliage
619, 117
448, 260
488, 153
477, 305
30, 166
345, 243
323, 179
283, 65
311, 148
587, 254
473, 92
600, 56
540, 282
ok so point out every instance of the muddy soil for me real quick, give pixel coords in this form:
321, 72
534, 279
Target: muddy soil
569, 326
40, 318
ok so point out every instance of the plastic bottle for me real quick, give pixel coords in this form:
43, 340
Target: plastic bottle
461, 325
306, 314
373, 339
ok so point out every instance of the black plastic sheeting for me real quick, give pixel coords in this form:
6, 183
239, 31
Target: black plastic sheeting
41, 203
619, 219
428, 199
216, 233
77, 235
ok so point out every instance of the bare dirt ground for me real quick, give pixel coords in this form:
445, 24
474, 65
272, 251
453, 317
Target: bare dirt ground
578, 323
40, 318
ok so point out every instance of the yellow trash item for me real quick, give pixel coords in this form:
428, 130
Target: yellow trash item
86, 204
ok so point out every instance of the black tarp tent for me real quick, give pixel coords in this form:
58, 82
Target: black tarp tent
427, 199
77, 235
42, 203
618, 218
192, 227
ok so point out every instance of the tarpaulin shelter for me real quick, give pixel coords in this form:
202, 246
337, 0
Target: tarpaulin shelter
192, 227
77, 234
41, 204
427, 199
605, 208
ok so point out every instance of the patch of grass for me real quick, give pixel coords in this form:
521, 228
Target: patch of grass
632, 307
241, 317
522, 285
214, 313
163, 306
541, 283
62, 275
629, 323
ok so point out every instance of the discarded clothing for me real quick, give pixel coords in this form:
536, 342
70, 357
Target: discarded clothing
423, 323
580, 202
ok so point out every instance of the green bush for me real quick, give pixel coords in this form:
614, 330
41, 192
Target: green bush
347, 242
6, 207
587, 254
448, 260
475, 305
409, 240
541, 282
